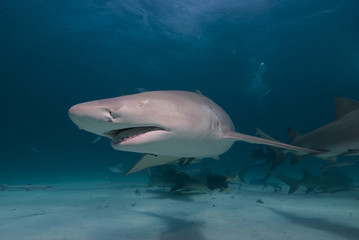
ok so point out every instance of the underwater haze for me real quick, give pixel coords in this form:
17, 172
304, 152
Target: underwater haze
268, 63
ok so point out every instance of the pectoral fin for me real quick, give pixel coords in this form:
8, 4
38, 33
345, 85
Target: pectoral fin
149, 161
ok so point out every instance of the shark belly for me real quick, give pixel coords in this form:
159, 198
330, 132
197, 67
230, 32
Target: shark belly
179, 147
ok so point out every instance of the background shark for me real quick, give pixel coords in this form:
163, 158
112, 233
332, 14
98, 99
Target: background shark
168, 176
328, 182
337, 138
165, 125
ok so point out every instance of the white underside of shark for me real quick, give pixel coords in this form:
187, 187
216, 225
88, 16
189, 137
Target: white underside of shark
165, 126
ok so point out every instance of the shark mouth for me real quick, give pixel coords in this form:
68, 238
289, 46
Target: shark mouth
122, 135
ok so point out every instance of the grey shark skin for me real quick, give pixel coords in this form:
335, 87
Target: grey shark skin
165, 125
328, 182
337, 138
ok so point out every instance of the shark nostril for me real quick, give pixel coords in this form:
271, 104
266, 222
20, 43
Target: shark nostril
111, 113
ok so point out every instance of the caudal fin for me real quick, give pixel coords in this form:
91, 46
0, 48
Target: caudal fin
251, 139
291, 182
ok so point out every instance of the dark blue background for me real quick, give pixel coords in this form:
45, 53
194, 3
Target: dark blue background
54, 54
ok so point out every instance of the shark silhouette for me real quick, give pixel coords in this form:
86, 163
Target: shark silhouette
165, 125
337, 138
327, 182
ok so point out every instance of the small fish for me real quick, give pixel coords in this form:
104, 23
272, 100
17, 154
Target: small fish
340, 164
189, 171
117, 169
26, 187
96, 140
214, 192
232, 179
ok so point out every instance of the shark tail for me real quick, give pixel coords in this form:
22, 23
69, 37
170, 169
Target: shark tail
3, 187
291, 182
274, 143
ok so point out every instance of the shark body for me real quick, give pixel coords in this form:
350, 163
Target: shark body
165, 125
337, 138
327, 182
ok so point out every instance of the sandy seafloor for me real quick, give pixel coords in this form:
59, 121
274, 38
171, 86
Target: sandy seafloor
105, 210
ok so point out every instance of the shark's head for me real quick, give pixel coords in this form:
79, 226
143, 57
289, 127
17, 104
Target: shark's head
151, 122
122, 119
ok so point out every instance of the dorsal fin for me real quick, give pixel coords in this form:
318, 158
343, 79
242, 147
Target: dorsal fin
344, 106
293, 134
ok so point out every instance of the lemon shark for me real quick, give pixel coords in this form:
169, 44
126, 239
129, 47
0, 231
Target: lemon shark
165, 125
335, 139
327, 182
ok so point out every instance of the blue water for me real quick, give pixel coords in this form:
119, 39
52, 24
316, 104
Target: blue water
267, 63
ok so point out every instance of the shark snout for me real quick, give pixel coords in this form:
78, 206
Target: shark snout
78, 112
75, 114
73, 111
87, 110
91, 117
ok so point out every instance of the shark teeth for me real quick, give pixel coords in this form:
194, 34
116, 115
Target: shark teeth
122, 135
